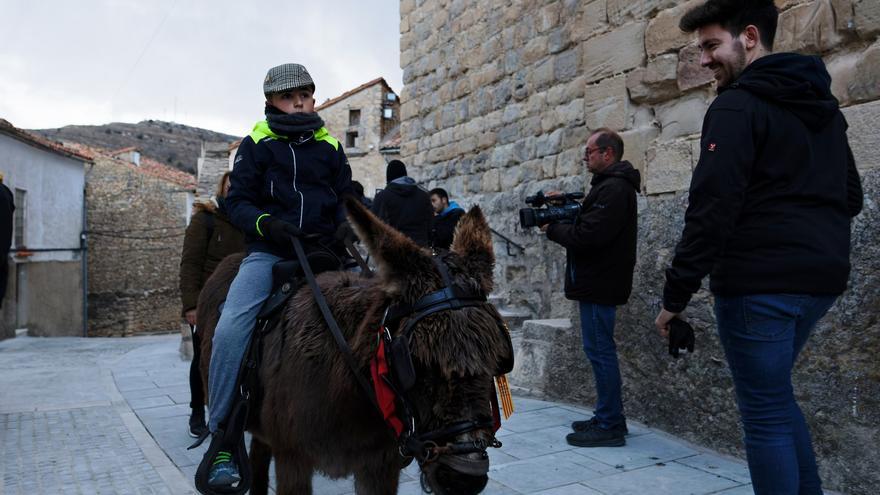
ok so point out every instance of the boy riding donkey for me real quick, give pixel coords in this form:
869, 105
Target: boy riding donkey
288, 181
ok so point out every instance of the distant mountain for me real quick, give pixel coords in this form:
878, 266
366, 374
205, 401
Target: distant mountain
177, 145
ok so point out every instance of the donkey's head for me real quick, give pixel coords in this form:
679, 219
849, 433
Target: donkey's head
439, 319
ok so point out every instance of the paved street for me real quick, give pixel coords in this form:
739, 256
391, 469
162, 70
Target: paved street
109, 416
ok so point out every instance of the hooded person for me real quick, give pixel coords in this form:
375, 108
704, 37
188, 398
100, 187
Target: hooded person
600, 251
404, 205
770, 206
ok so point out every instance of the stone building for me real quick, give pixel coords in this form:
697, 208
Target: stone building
498, 100
212, 164
362, 119
44, 291
137, 211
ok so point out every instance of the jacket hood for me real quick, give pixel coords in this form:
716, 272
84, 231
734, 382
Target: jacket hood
403, 186
622, 169
799, 83
209, 206
452, 207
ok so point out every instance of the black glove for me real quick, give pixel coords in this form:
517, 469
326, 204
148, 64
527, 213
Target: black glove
344, 232
281, 233
681, 336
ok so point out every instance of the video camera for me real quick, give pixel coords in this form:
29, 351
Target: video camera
546, 210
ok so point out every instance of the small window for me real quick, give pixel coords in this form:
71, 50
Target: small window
390, 96
351, 139
354, 117
388, 113
19, 217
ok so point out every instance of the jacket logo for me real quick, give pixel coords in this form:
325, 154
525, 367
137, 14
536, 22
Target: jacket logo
711, 146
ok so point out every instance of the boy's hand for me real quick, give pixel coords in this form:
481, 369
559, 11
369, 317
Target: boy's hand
281, 233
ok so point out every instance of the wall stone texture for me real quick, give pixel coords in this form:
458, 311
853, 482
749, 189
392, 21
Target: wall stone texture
499, 97
136, 224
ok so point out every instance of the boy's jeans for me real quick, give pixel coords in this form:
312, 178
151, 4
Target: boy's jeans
597, 327
250, 288
762, 336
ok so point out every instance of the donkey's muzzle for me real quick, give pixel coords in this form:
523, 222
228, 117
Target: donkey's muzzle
448, 480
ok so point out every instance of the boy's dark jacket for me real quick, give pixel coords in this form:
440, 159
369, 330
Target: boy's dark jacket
209, 238
300, 183
773, 193
601, 244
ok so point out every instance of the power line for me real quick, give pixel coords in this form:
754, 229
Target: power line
143, 52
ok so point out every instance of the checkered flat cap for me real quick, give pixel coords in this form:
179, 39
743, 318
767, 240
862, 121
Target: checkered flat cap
286, 77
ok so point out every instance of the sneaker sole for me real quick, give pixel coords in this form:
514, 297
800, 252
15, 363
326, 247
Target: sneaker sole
614, 442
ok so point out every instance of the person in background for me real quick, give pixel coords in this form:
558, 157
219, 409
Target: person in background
7, 208
209, 238
446, 215
404, 205
359, 194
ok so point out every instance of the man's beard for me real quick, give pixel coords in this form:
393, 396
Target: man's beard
736, 66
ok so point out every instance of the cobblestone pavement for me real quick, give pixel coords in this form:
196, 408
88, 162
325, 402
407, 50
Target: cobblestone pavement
109, 416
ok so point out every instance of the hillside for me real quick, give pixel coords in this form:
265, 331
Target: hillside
177, 145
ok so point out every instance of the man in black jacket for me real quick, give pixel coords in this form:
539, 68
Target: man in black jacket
404, 205
769, 217
601, 255
446, 217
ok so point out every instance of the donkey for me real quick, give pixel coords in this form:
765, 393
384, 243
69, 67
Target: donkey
313, 415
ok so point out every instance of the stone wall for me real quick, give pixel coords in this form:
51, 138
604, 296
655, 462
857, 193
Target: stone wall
136, 224
498, 101
367, 164
212, 164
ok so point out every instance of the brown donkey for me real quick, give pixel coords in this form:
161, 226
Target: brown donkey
314, 417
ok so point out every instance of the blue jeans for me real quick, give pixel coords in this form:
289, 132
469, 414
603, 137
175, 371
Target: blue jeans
250, 288
762, 336
597, 328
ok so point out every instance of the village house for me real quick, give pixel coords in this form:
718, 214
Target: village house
366, 121
45, 287
137, 212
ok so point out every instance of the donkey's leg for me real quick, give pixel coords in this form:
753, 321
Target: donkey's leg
261, 457
294, 477
380, 478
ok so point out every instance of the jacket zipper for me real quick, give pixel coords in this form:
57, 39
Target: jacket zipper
302, 200
272, 188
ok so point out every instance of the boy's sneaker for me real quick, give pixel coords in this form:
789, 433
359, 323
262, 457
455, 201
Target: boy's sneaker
197, 426
597, 437
593, 423
224, 472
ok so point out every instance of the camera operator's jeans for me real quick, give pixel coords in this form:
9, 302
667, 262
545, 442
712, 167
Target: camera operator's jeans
250, 288
597, 328
762, 336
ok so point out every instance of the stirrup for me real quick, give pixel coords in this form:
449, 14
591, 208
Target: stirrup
233, 435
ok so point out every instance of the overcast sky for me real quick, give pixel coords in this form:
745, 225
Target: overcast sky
195, 62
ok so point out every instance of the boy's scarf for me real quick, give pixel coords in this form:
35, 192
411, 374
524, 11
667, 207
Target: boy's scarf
293, 125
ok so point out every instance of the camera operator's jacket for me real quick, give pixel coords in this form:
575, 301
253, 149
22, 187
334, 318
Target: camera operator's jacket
601, 244
300, 183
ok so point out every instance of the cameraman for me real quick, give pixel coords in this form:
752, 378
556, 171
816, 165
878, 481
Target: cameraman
601, 255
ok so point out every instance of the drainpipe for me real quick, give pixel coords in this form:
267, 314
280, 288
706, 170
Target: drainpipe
84, 252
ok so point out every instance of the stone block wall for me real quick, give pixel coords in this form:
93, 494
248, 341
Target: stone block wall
499, 97
136, 224
212, 164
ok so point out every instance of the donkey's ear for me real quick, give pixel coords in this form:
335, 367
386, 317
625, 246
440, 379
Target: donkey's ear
473, 243
395, 254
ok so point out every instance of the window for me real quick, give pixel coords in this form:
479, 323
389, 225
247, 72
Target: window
19, 217
351, 139
388, 113
354, 117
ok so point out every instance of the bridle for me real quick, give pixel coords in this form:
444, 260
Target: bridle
428, 446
